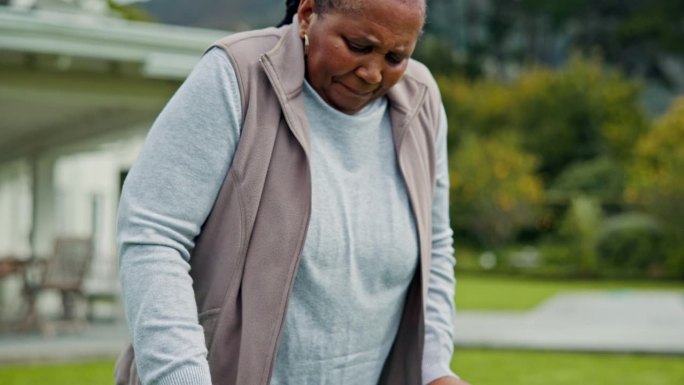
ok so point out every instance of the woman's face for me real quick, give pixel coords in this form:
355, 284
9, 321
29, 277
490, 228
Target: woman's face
356, 56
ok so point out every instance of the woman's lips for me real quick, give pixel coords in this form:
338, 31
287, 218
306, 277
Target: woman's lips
356, 92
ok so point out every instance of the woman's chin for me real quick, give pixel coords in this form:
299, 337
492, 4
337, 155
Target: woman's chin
349, 104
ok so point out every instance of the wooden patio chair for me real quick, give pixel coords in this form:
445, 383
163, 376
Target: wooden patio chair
64, 271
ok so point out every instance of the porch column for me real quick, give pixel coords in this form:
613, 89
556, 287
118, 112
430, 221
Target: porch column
43, 205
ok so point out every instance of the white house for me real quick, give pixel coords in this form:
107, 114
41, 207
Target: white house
79, 88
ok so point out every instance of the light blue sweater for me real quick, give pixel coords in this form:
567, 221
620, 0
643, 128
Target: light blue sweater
358, 259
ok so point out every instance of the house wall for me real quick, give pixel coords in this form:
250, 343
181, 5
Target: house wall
86, 190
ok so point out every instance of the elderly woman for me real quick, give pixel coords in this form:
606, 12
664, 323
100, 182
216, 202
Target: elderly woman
287, 219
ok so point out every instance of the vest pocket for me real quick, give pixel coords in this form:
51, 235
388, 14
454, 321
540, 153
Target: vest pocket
207, 320
125, 372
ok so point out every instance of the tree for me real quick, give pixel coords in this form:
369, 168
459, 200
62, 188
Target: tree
578, 113
634, 35
494, 190
575, 114
657, 180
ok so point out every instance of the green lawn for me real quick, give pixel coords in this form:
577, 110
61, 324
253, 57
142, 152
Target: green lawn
92, 373
480, 367
506, 293
502, 367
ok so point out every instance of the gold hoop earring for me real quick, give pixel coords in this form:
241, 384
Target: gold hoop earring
306, 44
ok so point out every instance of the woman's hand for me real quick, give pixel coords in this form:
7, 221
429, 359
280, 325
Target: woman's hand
448, 381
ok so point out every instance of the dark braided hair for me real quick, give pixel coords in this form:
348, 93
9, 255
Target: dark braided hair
291, 7
290, 10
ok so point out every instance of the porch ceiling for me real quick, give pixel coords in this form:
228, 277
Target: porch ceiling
70, 78
42, 110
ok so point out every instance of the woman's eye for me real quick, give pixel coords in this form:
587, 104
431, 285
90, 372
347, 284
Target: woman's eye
358, 47
394, 59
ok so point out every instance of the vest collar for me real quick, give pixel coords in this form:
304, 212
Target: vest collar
405, 100
285, 68
286, 60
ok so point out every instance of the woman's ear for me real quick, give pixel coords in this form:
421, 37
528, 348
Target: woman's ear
305, 14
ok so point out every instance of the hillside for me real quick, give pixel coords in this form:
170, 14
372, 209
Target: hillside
234, 15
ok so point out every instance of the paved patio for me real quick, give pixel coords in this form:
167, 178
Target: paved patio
96, 341
621, 321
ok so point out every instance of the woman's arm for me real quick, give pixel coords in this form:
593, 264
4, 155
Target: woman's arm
440, 310
166, 198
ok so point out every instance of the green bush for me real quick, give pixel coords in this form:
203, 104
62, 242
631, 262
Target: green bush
657, 180
632, 243
579, 229
602, 178
674, 262
495, 193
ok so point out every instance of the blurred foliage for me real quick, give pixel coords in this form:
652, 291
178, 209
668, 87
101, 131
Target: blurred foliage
130, 12
657, 179
634, 35
632, 243
601, 177
657, 172
437, 55
575, 114
543, 159
580, 229
495, 191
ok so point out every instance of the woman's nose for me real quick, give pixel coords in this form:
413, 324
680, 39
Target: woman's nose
370, 71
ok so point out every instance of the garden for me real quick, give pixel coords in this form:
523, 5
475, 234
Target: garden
562, 174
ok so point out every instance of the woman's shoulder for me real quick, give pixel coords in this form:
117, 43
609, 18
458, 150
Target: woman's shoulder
250, 43
417, 78
417, 88
420, 73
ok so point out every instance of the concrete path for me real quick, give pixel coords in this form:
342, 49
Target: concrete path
620, 321
626, 321
96, 341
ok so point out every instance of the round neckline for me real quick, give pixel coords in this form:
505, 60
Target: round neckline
366, 112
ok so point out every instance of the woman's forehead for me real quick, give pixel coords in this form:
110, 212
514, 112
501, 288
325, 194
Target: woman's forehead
381, 24
402, 14
359, 6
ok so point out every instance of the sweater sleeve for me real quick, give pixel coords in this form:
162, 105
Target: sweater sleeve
440, 307
166, 198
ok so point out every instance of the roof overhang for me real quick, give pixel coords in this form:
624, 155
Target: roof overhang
67, 77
